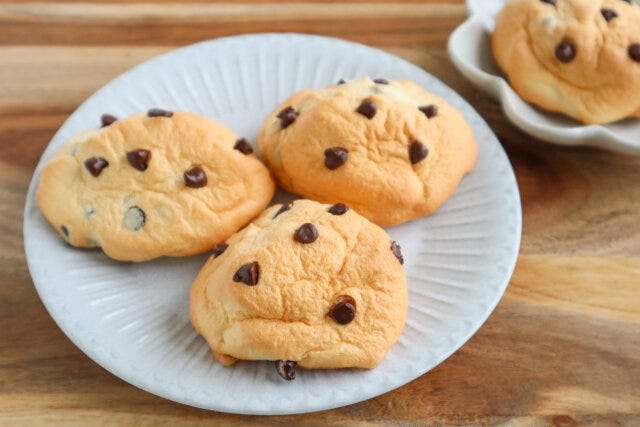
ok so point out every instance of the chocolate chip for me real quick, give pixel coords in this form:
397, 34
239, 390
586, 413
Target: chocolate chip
417, 152
139, 158
243, 146
338, 209
634, 52
565, 51
195, 177
286, 369
551, 2
341, 82
608, 14
219, 249
95, 165
367, 108
343, 310
134, 218
335, 157
287, 116
395, 248
65, 231
283, 208
157, 112
381, 81
307, 233
248, 274
429, 110
107, 120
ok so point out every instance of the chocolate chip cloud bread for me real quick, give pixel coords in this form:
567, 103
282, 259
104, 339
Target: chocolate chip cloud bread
577, 57
388, 149
157, 183
305, 284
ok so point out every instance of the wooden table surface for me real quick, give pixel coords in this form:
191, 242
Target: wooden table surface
563, 345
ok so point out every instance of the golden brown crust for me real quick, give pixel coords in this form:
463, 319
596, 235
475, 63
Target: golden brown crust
600, 85
178, 220
378, 178
285, 316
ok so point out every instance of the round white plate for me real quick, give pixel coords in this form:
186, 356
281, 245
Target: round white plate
470, 51
133, 319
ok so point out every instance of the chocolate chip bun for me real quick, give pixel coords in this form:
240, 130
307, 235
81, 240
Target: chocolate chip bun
577, 57
157, 183
388, 149
305, 284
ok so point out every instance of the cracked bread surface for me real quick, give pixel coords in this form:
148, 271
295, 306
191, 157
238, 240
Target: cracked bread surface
576, 57
145, 187
289, 311
387, 148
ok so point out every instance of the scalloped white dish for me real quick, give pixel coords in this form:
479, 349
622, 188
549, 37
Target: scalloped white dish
133, 319
470, 50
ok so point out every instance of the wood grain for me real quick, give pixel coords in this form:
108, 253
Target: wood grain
36, 77
330, 2
562, 347
176, 24
542, 354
